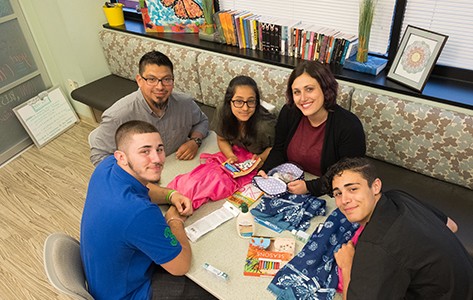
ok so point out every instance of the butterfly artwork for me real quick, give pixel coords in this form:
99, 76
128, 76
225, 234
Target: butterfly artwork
185, 9
178, 16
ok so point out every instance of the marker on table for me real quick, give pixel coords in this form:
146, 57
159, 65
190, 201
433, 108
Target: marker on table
215, 271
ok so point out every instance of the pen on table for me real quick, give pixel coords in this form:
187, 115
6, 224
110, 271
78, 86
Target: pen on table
215, 271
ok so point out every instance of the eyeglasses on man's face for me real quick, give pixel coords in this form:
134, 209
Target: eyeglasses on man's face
240, 103
152, 81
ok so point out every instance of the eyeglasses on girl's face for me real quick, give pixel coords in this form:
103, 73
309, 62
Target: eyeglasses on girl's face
152, 81
240, 103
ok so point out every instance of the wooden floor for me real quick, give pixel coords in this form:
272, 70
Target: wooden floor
42, 191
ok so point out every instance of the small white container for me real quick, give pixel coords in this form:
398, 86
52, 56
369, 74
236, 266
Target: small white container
245, 222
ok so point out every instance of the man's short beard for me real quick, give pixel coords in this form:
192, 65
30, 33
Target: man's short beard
161, 105
130, 165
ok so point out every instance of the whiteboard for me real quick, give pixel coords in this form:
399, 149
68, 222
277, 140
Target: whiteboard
46, 116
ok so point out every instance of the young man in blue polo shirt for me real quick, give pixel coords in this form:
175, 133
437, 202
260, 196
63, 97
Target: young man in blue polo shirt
125, 239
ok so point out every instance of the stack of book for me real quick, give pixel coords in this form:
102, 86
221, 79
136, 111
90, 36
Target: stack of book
246, 30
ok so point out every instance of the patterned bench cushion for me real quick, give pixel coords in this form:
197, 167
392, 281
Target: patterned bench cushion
123, 52
430, 140
216, 71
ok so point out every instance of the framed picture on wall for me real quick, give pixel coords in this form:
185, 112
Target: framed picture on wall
416, 57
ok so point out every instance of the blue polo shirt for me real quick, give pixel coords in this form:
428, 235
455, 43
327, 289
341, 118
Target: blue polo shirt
122, 234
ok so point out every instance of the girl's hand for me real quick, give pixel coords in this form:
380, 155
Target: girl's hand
256, 157
262, 174
232, 159
297, 187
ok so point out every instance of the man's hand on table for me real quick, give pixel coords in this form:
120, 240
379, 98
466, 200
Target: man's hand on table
187, 151
182, 204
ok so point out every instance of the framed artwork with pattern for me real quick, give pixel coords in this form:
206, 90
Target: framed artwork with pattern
416, 57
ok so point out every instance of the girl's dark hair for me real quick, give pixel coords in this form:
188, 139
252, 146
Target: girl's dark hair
324, 77
229, 124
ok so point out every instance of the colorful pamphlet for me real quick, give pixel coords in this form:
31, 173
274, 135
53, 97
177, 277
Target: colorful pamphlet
267, 255
247, 194
241, 169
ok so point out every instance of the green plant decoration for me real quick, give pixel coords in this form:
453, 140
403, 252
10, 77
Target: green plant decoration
367, 8
208, 8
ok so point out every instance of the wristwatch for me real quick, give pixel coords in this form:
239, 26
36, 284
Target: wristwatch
198, 141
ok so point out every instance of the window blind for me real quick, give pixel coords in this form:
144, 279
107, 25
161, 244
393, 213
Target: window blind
453, 18
339, 15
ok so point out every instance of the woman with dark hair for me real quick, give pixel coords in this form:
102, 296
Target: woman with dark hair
312, 130
242, 121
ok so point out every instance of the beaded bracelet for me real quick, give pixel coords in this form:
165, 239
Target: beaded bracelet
169, 196
172, 219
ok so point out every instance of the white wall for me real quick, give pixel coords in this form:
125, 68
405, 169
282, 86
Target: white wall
66, 33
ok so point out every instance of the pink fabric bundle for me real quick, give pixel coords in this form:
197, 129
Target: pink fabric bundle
354, 239
209, 181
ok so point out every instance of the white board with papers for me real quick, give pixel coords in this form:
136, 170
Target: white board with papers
46, 116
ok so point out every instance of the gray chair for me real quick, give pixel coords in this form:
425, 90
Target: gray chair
63, 265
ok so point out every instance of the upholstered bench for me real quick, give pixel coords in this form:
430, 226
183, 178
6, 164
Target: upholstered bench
408, 138
102, 93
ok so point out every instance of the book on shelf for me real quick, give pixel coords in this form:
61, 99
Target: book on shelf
320, 38
330, 35
298, 36
347, 39
313, 36
253, 32
265, 33
277, 38
290, 38
248, 194
337, 40
267, 255
352, 49
323, 46
303, 42
227, 24
222, 19
245, 33
309, 34
340, 47
293, 41
238, 24
233, 27
272, 35
238, 31
283, 36
308, 46
218, 24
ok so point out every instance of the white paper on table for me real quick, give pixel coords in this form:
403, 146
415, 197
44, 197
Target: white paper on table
211, 221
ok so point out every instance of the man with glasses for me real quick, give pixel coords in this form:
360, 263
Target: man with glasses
178, 118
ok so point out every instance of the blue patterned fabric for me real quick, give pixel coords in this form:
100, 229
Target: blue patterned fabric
312, 273
289, 211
